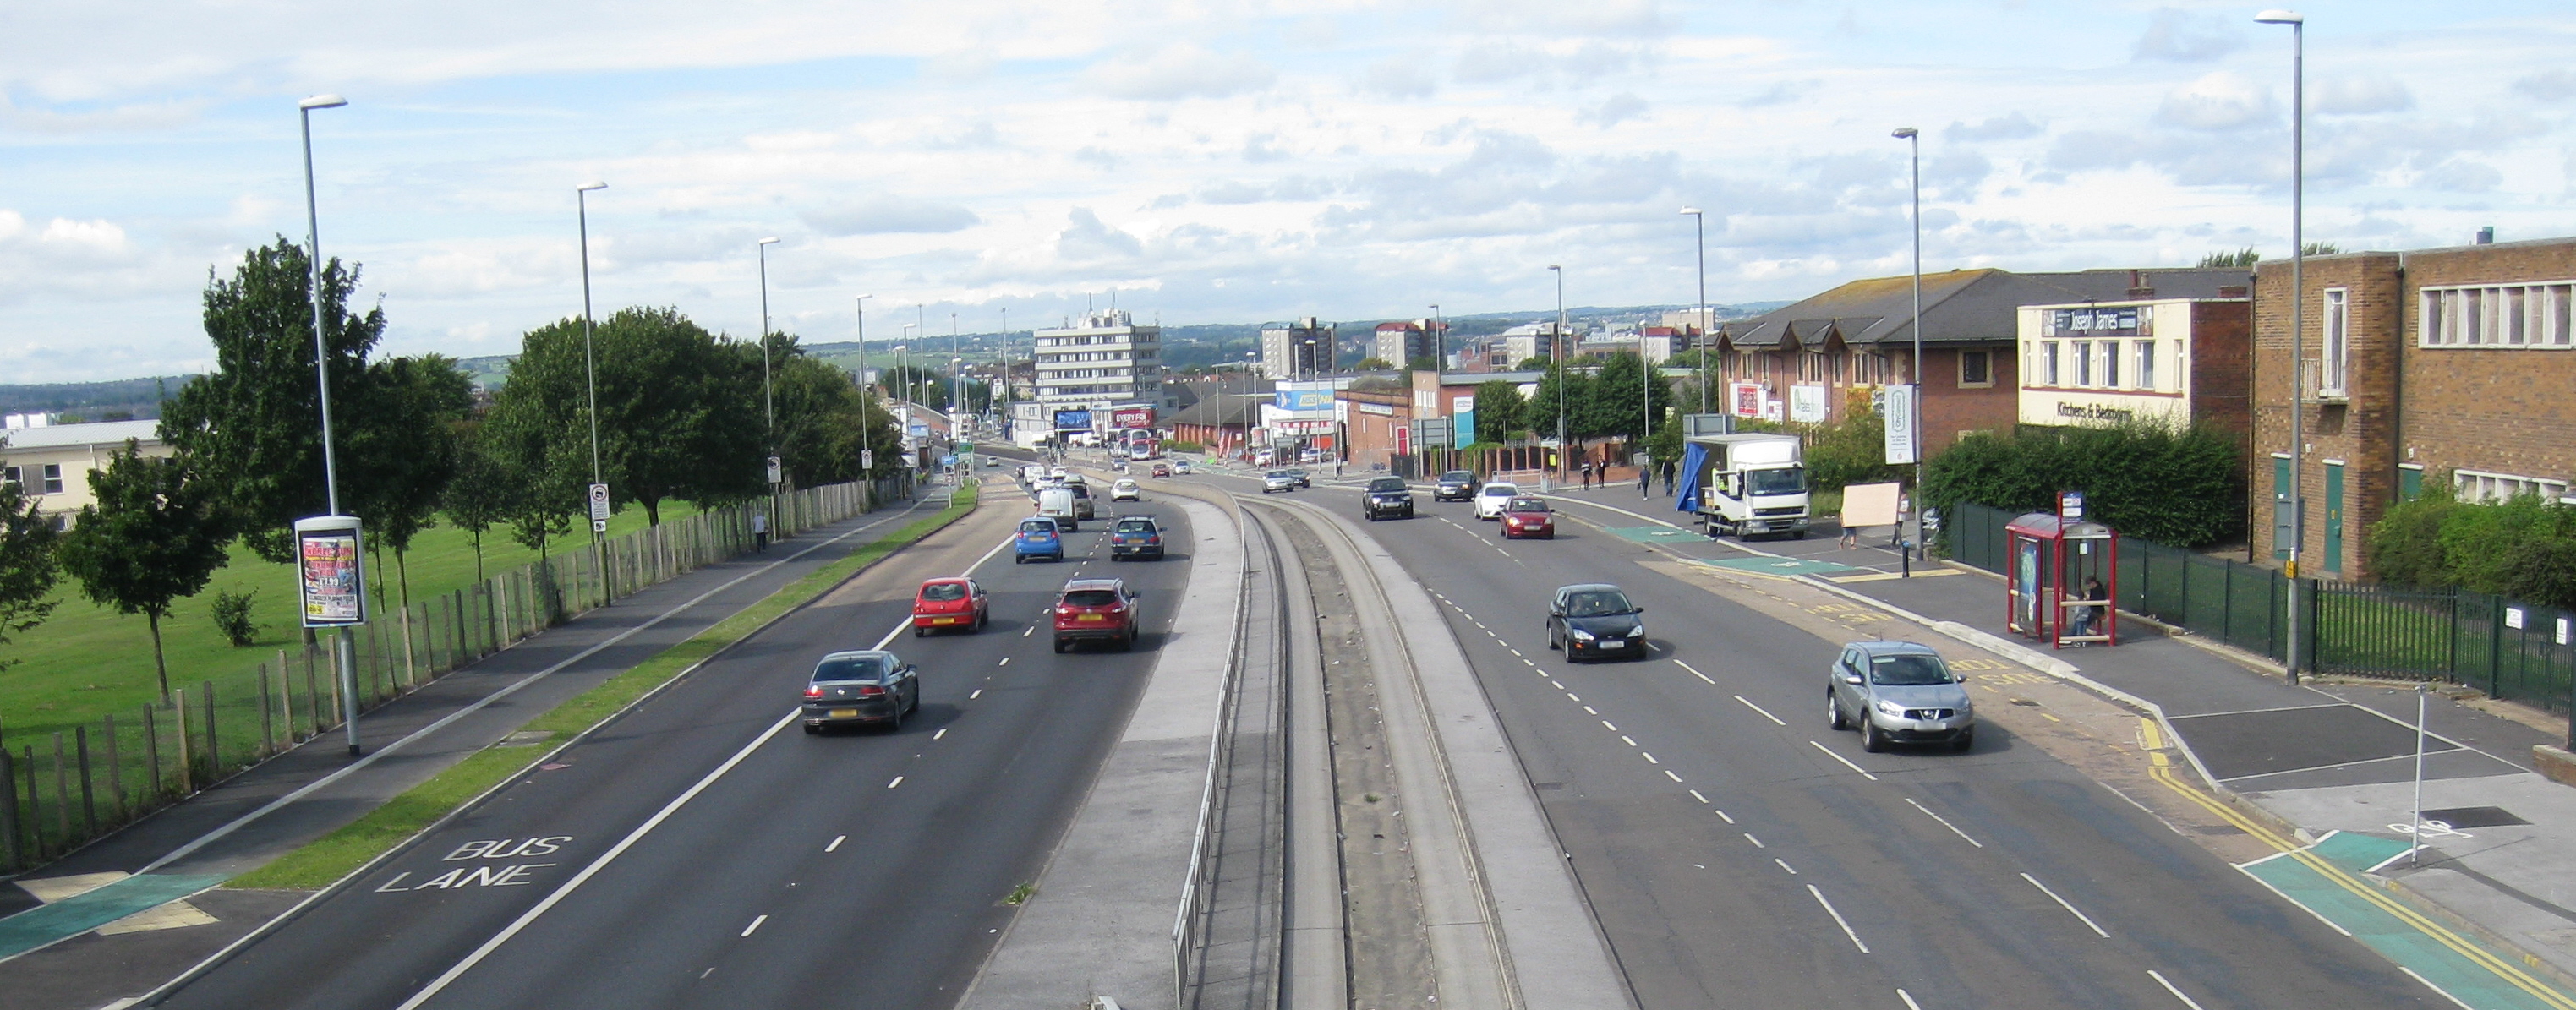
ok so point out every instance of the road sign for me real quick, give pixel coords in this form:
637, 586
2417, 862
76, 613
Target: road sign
598, 503
599, 525
867, 459
965, 448
774, 473
948, 460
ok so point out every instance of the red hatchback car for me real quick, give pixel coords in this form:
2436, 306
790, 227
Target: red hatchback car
957, 603
1100, 610
1528, 517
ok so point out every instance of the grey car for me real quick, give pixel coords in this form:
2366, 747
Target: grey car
861, 687
1899, 692
1595, 620
1278, 480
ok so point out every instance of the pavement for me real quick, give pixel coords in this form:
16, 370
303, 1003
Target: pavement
121, 914
2485, 909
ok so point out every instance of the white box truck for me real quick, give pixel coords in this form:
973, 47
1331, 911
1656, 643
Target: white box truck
1749, 483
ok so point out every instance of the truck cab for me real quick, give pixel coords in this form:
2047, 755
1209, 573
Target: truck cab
1749, 484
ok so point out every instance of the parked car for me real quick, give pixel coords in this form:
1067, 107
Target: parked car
1303, 478
1491, 498
1135, 536
951, 602
1899, 692
1126, 490
1162, 470
1528, 517
856, 688
1101, 610
1456, 485
1278, 480
1038, 538
1595, 620
1310, 455
1386, 496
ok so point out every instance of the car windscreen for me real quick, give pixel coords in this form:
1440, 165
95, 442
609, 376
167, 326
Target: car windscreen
1384, 485
1090, 598
1597, 603
1526, 505
943, 592
1457, 477
1908, 670
1792, 480
850, 668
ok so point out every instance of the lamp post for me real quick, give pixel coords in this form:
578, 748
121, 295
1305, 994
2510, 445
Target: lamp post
1699, 233
2298, 324
1914, 404
589, 357
903, 363
768, 405
344, 651
866, 473
1556, 353
1007, 420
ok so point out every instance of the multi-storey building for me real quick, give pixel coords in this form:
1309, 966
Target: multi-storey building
2451, 364
1106, 361
51, 464
1404, 342
1298, 350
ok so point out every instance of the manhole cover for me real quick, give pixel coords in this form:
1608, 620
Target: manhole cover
2474, 817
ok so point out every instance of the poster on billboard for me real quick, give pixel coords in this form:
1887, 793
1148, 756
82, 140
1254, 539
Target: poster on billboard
1132, 417
1902, 441
1304, 397
1807, 404
1073, 420
1744, 399
329, 572
1462, 410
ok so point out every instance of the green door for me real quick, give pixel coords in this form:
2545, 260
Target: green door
2334, 517
2280, 508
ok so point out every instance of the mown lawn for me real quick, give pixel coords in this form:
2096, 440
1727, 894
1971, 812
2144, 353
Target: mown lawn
88, 660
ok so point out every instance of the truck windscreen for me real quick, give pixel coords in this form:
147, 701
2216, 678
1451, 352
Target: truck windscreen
1792, 480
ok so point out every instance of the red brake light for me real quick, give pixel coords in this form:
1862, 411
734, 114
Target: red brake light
813, 692
870, 691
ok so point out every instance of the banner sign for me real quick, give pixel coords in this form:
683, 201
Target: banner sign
1744, 399
1073, 420
2118, 321
1902, 440
1304, 397
1462, 410
1807, 404
1132, 417
330, 571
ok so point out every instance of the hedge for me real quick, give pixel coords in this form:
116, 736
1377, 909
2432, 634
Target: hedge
2183, 487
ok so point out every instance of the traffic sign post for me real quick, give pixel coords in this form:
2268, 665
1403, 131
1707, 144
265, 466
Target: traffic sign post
599, 508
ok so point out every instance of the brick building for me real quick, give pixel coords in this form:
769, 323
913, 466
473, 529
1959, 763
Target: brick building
2446, 364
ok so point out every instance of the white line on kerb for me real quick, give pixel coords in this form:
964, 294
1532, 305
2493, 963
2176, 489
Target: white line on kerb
2169, 987
836, 843
1945, 822
1864, 772
755, 924
1693, 670
1864, 948
1748, 703
2062, 903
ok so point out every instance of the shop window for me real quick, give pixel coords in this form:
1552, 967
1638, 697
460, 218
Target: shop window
1976, 369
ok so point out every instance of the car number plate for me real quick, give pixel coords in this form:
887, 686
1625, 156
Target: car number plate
1614, 643
1088, 617
943, 620
845, 713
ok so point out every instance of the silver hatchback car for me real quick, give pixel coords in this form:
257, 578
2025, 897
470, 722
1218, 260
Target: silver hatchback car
1900, 692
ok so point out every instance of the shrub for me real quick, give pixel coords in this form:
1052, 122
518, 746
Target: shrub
1182, 445
2405, 545
2183, 487
2524, 548
232, 617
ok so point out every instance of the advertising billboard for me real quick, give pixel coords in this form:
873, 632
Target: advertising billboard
1132, 417
330, 574
1304, 397
1744, 399
1073, 420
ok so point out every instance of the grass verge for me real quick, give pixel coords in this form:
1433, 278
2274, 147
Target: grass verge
327, 859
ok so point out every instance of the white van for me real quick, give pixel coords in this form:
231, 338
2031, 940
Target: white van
1058, 503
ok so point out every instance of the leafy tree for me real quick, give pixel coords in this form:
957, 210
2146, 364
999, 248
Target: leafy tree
1544, 403
680, 414
2183, 487
1539, 363
1422, 364
27, 565
479, 496
157, 534
1622, 397
252, 425
1499, 409
820, 426
1374, 364
2245, 257
2405, 545
421, 401
916, 385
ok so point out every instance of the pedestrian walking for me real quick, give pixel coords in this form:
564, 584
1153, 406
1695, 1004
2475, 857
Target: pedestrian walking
1587, 475
760, 531
1669, 469
1645, 482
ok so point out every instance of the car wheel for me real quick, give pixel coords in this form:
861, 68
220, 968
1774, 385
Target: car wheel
1551, 636
1964, 742
813, 730
920, 632
1019, 559
1834, 713
1871, 739
894, 723
1128, 644
1059, 645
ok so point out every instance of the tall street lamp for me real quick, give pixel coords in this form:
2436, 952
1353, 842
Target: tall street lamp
768, 404
866, 472
2298, 323
344, 651
1699, 232
589, 358
1556, 353
1914, 404
903, 363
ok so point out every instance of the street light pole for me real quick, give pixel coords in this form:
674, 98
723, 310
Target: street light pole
589, 357
1699, 233
1556, 353
1914, 404
344, 651
2298, 324
768, 404
867, 474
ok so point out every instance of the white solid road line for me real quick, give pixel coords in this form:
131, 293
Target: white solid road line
898, 780
479, 704
1945, 822
2063, 903
1695, 672
2428, 983
755, 924
1864, 772
1909, 1000
836, 843
1864, 948
2169, 987
1793, 871
1766, 713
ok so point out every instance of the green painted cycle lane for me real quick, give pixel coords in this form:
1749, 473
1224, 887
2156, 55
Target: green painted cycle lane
2462, 968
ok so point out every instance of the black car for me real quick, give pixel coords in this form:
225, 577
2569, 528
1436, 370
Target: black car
1595, 620
852, 688
1456, 485
1303, 478
1387, 496
1135, 536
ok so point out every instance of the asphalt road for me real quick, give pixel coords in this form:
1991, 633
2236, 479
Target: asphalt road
1738, 856
702, 851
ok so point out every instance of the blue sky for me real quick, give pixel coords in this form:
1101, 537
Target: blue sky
1211, 162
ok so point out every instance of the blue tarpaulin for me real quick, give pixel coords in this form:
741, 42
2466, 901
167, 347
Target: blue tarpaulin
1694, 459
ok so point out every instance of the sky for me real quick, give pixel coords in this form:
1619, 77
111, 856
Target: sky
1209, 161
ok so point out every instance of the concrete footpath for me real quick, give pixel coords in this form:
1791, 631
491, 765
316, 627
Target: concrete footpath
136, 902
2486, 908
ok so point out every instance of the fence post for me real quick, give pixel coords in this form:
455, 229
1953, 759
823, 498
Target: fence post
9, 812
2495, 645
62, 792
35, 809
214, 745
152, 754
115, 772
89, 798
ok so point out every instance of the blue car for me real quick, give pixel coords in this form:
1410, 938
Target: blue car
1037, 539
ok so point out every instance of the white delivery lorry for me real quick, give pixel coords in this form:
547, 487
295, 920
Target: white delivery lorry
1748, 483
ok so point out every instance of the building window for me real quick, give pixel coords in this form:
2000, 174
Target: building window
1976, 369
10, 475
2479, 486
53, 478
2146, 377
2048, 363
2111, 364
2517, 315
2082, 352
2336, 353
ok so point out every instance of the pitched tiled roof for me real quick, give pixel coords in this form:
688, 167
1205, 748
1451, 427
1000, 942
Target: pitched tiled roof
1959, 306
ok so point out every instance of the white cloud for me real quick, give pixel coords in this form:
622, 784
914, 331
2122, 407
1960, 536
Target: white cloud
2360, 96
2184, 37
888, 215
2218, 101
1182, 70
2012, 126
1613, 110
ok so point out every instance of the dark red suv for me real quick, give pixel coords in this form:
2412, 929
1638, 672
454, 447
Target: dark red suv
1099, 610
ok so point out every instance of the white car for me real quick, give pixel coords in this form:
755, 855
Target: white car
1278, 480
1126, 490
1491, 498
1033, 473
1181, 466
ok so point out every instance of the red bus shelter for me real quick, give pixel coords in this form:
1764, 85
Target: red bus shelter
2060, 576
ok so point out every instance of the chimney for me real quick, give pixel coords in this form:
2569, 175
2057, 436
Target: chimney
2138, 286
2486, 235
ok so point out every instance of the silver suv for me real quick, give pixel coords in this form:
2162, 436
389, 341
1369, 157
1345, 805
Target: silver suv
1902, 692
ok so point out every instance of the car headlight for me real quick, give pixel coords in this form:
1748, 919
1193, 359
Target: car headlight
1637, 632
1890, 709
1581, 635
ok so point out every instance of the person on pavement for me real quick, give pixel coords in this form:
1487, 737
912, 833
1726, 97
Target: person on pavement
760, 531
1587, 475
1645, 482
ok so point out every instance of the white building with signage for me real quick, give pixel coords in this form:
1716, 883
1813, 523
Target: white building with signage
51, 464
2174, 361
1106, 361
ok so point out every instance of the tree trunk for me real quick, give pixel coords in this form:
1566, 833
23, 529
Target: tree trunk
159, 665
652, 510
478, 555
